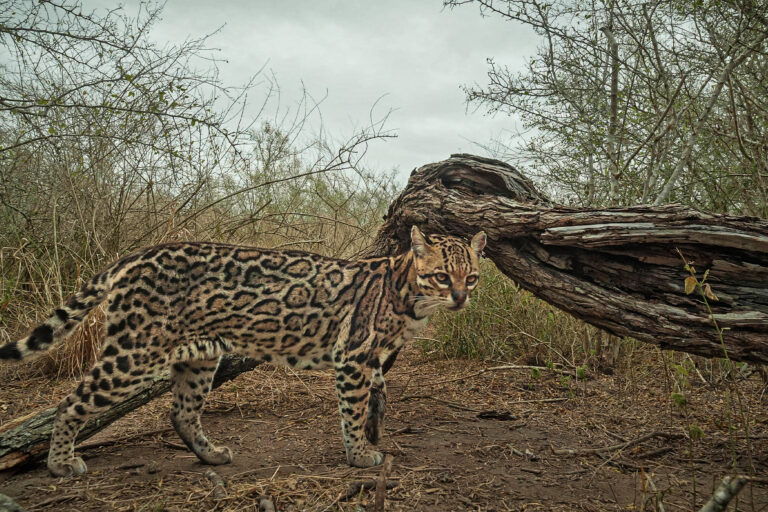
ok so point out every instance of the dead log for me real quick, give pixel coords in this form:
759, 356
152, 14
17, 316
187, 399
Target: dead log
25, 439
615, 268
8, 505
728, 489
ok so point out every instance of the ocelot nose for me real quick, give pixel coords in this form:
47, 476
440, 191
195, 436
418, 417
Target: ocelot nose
459, 296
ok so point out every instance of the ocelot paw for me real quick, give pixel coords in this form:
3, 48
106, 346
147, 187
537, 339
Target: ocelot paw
365, 458
217, 456
72, 467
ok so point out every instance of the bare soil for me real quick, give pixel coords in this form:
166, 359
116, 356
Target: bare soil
462, 439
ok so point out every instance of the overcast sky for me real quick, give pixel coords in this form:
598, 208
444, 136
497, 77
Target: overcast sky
410, 55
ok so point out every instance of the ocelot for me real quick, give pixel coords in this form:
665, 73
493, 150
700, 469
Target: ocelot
183, 305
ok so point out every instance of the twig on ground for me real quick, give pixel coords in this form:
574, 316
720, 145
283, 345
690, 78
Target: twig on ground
58, 499
219, 491
381, 484
493, 369
407, 430
130, 465
615, 447
539, 400
354, 488
725, 492
175, 446
530, 455
496, 415
111, 442
653, 453
450, 404
656, 494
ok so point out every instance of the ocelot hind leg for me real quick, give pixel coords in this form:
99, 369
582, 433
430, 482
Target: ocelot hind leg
191, 381
112, 379
377, 400
377, 407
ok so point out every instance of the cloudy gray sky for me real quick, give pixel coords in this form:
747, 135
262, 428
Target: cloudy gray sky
410, 55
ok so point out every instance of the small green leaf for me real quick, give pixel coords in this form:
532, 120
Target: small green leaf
695, 432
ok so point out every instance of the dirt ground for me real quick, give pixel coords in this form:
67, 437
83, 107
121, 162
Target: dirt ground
463, 437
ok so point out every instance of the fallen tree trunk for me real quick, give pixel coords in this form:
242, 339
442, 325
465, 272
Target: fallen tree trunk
25, 439
615, 268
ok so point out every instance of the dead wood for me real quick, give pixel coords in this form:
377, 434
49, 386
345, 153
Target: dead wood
381, 484
25, 439
615, 447
8, 505
407, 430
725, 492
354, 488
496, 415
616, 268
219, 490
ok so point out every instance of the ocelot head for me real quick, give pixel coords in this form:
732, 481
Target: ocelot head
446, 270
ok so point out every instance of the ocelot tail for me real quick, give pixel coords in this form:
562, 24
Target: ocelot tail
183, 305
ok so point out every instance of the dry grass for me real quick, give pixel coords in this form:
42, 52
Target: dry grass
334, 214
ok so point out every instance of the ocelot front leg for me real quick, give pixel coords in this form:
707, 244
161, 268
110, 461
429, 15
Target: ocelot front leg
191, 381
353, 384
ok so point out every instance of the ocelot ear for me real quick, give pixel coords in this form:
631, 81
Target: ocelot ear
478, 242
418, 242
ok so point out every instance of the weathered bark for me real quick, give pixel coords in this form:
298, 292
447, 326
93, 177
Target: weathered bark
26, 439
616, 268
8, 505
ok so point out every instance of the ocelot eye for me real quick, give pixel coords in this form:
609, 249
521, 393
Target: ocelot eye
442, 277
471, 280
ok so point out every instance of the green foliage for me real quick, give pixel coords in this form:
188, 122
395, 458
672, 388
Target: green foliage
695, 433
594, 146
679, 399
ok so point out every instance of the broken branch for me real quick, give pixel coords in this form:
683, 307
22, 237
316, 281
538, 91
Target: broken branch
615, 447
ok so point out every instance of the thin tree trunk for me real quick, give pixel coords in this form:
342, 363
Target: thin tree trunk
616, 268
693, 136
613, 108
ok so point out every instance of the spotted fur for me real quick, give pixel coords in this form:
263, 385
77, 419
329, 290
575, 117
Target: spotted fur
184, 305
